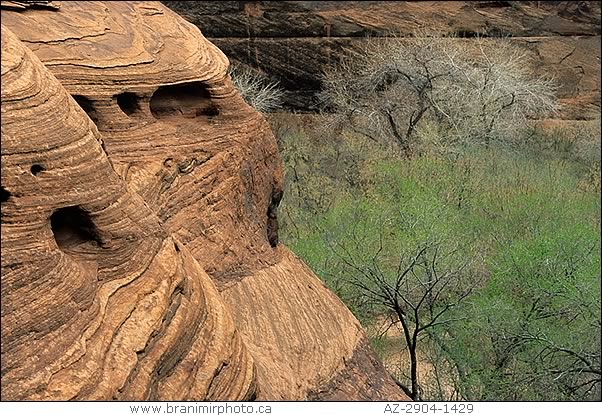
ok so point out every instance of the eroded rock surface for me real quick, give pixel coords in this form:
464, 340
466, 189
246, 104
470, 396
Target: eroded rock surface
293, 41
139, 238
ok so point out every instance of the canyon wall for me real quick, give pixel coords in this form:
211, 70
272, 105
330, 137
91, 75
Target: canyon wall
293, 41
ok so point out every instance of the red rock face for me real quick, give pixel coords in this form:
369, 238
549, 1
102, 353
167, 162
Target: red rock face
295, 40
139, 233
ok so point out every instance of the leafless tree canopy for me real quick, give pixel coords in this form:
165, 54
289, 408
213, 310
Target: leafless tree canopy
414, 288
401, 89
257, 91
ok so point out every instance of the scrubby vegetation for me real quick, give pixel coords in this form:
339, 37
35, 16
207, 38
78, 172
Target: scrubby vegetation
256, 89
504, 242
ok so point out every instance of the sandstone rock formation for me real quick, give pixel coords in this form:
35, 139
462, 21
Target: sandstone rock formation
294, 40
139, 245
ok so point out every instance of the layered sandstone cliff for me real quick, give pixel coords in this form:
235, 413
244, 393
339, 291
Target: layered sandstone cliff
140, 257
293, 41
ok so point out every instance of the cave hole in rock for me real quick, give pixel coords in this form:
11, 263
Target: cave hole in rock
36, 169
189, 100
4, 194
73, 226
88, 106
129, 103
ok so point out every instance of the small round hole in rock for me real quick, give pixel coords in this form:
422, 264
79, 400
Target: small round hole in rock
129, 103
36, 169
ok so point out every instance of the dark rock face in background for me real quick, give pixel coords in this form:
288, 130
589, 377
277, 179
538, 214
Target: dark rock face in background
292, 41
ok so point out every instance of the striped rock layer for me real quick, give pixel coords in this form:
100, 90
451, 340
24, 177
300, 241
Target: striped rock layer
140, 255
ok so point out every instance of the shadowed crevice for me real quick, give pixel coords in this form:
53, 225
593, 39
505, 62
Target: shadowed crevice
88, 106
272, 224
4, 194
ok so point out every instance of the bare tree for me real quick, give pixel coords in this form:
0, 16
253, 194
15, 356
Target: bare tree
417, 292
257, 90
397, 89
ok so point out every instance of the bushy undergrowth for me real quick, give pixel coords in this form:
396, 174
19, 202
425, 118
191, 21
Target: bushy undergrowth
525, 220
256, 89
